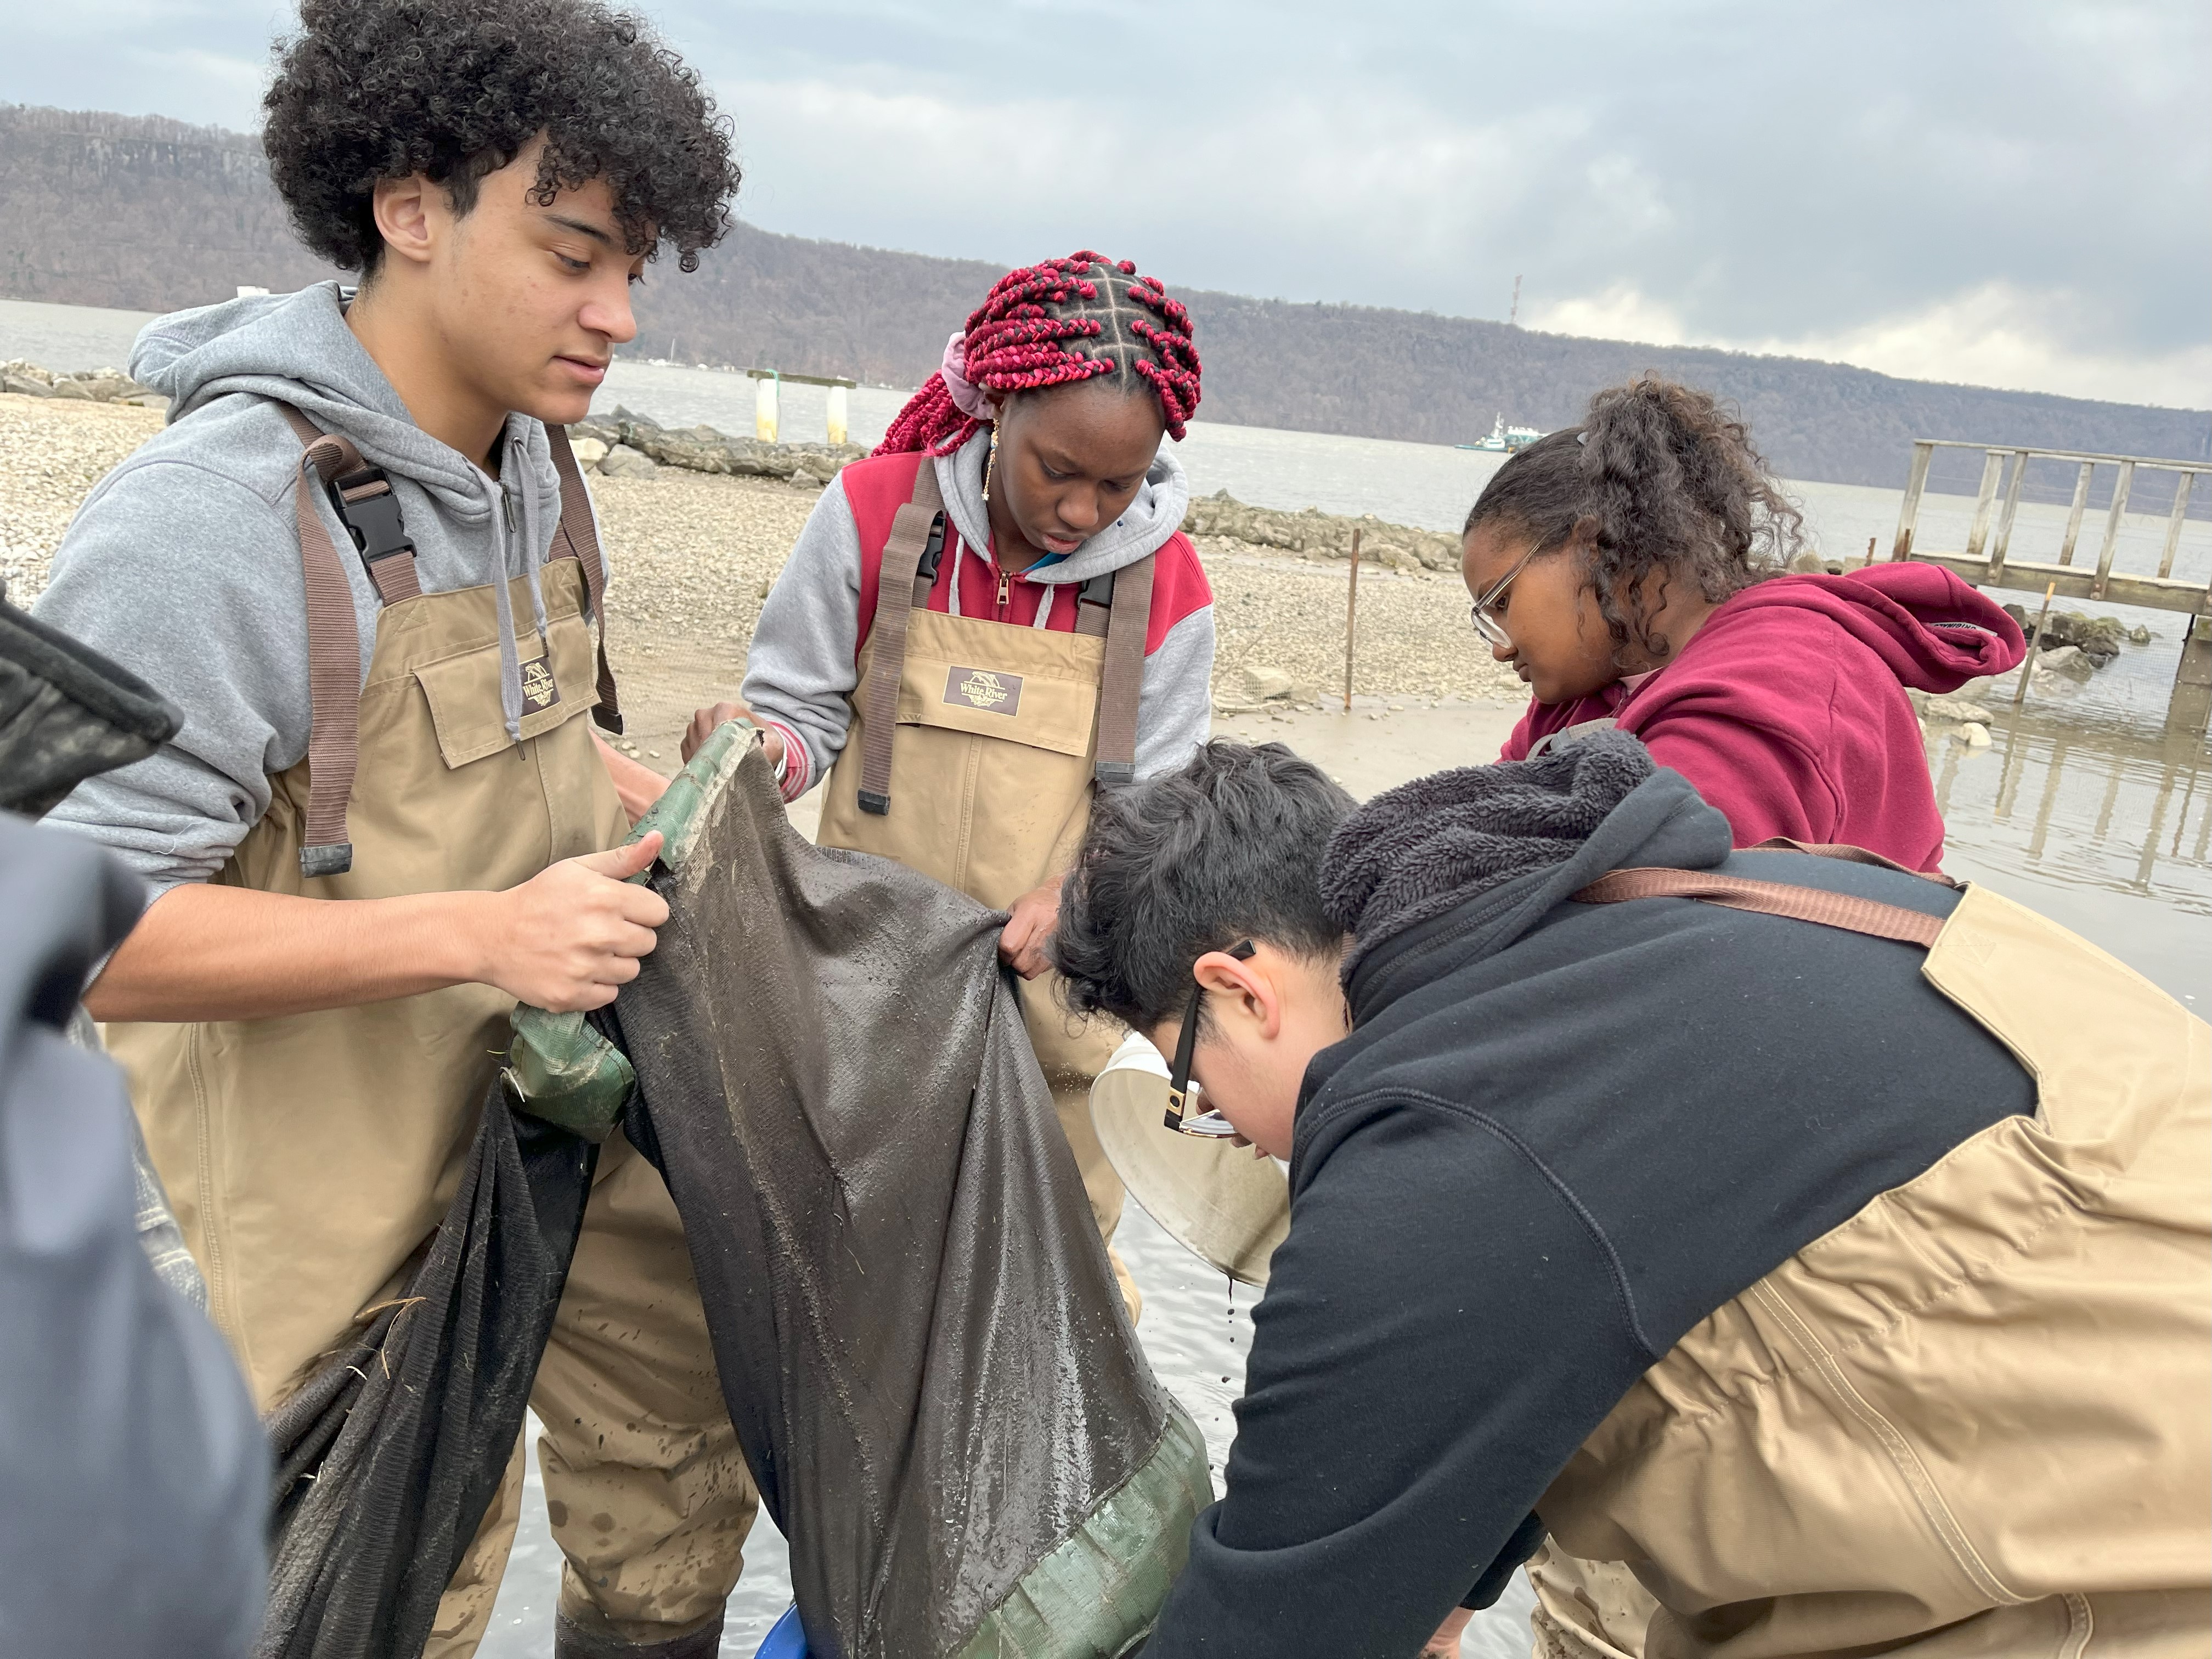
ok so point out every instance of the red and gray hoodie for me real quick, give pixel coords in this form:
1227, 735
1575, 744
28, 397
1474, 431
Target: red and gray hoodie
1787, 709
805, 651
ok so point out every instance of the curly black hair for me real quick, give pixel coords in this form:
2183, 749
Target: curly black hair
1658, 483
455, 89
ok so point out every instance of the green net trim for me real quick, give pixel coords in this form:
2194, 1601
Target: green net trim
1096, 1594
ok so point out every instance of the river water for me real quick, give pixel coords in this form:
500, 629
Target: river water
2081, 808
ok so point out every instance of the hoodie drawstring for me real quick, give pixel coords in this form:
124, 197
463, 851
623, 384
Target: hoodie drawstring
510, 663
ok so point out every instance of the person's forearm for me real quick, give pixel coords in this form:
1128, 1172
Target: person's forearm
209, 952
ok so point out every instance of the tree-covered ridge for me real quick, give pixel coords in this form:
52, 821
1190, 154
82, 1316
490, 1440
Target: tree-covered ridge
150, 214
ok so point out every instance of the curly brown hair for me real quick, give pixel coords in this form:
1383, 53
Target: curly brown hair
1659, 483
376, 89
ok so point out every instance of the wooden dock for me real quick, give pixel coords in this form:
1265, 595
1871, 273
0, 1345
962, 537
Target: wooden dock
1985, 560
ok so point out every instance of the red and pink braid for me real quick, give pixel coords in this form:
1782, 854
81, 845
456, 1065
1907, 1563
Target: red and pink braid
1038, 329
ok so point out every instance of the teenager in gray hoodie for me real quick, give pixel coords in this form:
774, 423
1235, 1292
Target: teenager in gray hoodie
355, 565
1042, 627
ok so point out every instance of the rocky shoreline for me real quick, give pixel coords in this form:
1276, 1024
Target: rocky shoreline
699, 523
627, 445
92, 386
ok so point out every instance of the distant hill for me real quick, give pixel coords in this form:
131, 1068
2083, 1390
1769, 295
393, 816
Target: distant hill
151, 214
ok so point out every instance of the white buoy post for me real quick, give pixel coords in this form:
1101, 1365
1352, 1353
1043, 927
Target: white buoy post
764, 409
837, 415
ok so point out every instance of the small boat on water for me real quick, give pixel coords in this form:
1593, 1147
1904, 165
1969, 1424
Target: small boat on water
1504, 440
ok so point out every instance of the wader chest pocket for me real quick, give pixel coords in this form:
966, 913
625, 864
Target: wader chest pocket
462, 691
1043, 710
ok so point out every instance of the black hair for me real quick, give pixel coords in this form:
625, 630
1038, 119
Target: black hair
1659, 483
1226, 849
455, 89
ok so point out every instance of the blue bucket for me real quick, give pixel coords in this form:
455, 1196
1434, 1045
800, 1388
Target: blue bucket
786, 1638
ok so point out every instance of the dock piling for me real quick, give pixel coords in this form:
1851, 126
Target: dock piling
766, 408
2189, 711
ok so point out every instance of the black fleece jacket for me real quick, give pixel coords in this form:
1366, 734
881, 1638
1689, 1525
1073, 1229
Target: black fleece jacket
1557, 1137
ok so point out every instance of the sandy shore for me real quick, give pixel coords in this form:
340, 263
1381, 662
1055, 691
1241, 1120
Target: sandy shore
695, 554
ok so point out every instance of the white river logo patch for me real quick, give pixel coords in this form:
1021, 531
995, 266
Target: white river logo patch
540, 690
984, 689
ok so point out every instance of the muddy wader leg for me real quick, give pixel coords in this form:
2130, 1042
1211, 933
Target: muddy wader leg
464, 1610
647, 1491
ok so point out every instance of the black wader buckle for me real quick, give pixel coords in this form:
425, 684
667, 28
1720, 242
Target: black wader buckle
932, 552
371, 515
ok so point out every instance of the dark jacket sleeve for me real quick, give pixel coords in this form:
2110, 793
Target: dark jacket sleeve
1442, 1328
133, 1474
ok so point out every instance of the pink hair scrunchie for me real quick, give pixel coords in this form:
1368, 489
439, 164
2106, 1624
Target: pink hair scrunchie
976, 405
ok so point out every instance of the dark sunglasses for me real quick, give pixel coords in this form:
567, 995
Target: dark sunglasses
1180, 1117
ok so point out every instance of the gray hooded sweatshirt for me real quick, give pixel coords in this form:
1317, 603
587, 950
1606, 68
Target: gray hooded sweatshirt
184, 564
803, 663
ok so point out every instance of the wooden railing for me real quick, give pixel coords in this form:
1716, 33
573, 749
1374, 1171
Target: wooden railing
1989, 565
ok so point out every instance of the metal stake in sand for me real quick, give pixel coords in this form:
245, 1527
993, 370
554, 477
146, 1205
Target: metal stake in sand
1350, 620
2020, 691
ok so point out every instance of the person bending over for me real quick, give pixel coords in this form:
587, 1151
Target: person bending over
385, 817
1053, 629
1814, 1289
1630, 569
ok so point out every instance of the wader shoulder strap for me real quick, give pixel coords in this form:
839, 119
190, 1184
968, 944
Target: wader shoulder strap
1122, 683
582, 537
918, 525
1849, 855
1772, 898
333, 659
363, 495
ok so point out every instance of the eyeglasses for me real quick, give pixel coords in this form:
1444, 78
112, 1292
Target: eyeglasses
1487, 625
1181, 1091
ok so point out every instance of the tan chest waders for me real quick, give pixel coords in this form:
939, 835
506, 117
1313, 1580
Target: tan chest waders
1971, 1420
972, 757
309, 1156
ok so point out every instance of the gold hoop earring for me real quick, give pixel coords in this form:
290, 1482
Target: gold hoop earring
991, 461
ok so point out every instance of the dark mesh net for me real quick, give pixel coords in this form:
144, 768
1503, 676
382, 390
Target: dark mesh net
919, 1334
919, 1337
390, 1454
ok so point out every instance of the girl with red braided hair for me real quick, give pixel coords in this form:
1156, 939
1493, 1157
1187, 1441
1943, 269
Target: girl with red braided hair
998, 612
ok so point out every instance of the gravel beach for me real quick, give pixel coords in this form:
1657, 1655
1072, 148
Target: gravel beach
694, 553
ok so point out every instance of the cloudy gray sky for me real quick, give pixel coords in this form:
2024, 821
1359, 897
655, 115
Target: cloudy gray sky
2016, 194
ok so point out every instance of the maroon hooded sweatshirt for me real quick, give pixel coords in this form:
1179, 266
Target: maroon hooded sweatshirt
1787, 709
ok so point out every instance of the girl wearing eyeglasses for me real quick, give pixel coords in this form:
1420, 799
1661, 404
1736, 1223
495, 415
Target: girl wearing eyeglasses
1630, 570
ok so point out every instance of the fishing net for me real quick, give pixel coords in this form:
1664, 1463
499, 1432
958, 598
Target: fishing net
388, 1457
66, 714
917, 1334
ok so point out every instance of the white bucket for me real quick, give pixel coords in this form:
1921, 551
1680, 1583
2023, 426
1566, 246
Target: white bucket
1227, 1204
